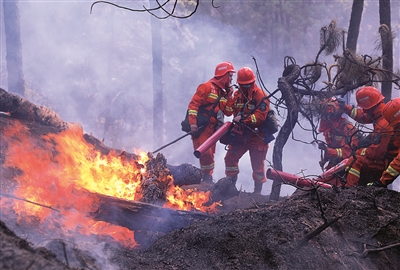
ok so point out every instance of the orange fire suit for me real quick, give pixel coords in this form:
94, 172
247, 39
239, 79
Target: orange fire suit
340, 137
373, 159
393, 170
207, 94
249, 140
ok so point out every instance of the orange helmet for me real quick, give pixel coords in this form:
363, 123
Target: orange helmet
223, 68
391, 111
245, 76
368, 97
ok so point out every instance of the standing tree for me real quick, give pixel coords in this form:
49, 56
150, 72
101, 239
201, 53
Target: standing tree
158, 111
16, 82
387, 45
354, 26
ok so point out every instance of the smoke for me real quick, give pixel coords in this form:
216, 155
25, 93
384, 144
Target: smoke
96, 69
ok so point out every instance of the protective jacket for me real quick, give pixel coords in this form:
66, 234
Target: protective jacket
206, 95
374, 157
340, 138
250, 138
393, 170
381, 129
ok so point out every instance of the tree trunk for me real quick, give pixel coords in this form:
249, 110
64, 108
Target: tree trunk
143, 216
158, 109
354, 26
387, 46
16, 82
285, 86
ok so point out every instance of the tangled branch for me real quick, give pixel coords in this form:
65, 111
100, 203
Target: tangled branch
161, 7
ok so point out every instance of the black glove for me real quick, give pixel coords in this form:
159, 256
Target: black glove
376, 183
322, 146
341, 102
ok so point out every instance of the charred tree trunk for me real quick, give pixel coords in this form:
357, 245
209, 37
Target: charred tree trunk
16, 82
354, 26
142, 216
387, 46
158, 108
22, 109
285, 86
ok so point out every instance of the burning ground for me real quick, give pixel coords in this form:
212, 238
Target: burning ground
69, 201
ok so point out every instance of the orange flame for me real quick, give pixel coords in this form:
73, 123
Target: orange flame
60, 177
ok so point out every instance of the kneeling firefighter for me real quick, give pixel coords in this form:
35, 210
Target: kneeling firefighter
250, 111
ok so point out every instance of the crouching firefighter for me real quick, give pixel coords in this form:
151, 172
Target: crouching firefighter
391, 112
211, 100
250, 111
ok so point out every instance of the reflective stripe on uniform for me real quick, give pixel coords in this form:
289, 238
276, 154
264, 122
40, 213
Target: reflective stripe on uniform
207, 167
239, 105
193, 112
232, 169
339, 152
363, 151
259, 176
353, 113
253, 118
213, 96
354, 172
229, 109
392, 171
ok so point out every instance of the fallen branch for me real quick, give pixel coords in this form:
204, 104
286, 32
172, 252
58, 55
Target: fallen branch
366, 250
318, 231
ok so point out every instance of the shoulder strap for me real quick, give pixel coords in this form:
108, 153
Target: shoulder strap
210, 112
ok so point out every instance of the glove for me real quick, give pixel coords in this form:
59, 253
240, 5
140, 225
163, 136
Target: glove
194, 128
322, 146
341, 102
376, 183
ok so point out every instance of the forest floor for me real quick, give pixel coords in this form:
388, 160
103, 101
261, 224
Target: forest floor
265, 235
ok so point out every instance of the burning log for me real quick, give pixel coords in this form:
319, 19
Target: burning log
21, 108
143, 216
185, 174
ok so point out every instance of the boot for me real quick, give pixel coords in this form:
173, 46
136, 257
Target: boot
207, 178
257, 187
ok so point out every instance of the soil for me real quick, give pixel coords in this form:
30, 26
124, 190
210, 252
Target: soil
356, 228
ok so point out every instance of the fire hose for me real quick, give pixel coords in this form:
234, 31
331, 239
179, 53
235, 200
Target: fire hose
321, 180
212, 139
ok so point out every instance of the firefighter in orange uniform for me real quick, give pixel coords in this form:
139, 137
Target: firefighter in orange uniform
339, 134
248, 117
371, 160
391, 112
217, 91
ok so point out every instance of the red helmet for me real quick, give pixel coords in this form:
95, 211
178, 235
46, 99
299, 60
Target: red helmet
391, 111
368, 97
245, 76
223, 68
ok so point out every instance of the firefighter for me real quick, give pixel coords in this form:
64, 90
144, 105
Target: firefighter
339, 133
370, 159
250, 111
391, 112
211, 97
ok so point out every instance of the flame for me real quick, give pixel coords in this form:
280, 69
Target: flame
60, 169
